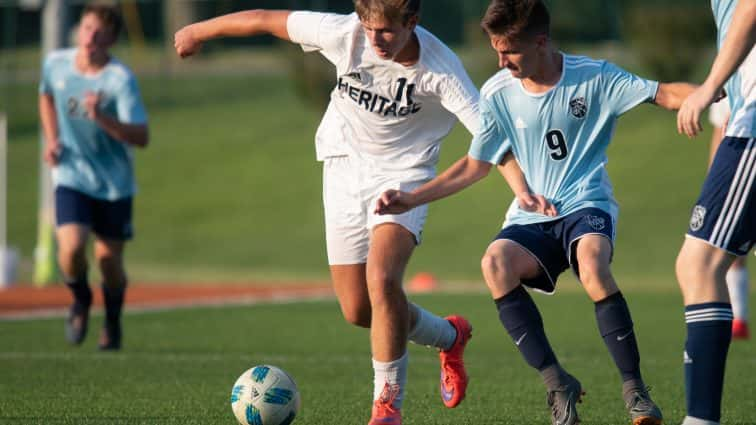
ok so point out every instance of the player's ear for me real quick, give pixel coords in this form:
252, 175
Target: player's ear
541, 40
412, 22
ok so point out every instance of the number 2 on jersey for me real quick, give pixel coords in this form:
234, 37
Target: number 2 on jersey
557, 144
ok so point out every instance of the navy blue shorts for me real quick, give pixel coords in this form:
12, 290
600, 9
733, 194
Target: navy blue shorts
553, 243
108, 219
725, 213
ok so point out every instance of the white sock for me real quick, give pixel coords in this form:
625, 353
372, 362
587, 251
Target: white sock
737, 283
431, 330
393, 373
690, 420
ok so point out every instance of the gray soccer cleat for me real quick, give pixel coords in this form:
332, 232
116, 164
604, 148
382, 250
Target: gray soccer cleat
77, 323
643, 410
563, 400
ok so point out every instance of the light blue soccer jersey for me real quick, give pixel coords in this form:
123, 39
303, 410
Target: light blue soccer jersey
741, 87
559, 137
91, 161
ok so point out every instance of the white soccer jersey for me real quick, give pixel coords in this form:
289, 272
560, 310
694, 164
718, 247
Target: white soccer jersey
389, 115
741, 87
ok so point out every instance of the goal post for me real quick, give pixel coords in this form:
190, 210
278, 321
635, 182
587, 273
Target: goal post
55, 27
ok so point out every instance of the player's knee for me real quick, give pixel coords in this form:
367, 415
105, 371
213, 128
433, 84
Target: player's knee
495, 263
111, 267
356, 316
72, 252
595, 272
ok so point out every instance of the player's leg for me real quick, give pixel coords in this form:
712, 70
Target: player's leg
350, 287
737, 285
390, 248
520, 255
593, 254
722, 226
112, 225
109, 256
73, 218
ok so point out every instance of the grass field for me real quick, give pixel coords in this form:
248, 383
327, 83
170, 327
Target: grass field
178, 367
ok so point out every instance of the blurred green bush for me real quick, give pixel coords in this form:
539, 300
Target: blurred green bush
672, 41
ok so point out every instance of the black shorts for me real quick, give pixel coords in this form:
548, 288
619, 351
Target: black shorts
725, 214
109, 219
553, 243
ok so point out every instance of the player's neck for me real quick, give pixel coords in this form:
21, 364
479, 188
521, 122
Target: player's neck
91, 64
547, 75
410, 54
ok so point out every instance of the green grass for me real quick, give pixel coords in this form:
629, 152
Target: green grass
177, 367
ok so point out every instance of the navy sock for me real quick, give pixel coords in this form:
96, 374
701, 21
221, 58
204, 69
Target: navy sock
709, 333
81, 291
113, 298
519, 315
616, 328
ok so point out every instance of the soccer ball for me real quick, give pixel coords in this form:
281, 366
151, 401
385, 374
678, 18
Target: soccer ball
265, 395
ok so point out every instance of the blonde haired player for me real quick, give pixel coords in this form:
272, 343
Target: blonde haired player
398, 92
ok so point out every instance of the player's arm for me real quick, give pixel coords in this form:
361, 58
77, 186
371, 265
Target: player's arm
131, 134
49, 128
189, 39
671, 95
458, 176
738, 43
512, 173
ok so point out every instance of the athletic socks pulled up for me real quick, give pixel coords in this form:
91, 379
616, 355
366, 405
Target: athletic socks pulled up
391, 375
522, 320
616, 328
431, 330
709, 327
81, 291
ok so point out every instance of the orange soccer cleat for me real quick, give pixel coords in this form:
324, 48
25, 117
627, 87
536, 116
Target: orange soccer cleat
384, 412
453, 376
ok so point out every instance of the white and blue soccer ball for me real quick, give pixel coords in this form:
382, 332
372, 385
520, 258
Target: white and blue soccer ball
265, 395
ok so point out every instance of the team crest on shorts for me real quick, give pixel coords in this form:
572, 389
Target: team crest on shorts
697, 218
578, 108
596, 222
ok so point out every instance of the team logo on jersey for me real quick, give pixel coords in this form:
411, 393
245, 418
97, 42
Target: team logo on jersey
697, 218
59, 84
356, 76
578, 108
596, 222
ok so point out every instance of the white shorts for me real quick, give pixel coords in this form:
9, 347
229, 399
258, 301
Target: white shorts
350, 192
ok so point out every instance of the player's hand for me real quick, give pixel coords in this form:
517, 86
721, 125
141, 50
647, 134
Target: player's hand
51, 153
92, 104
689, 115
394, 202
536, 204
186, 42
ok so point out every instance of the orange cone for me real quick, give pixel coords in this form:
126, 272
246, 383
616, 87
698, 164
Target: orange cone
423, 282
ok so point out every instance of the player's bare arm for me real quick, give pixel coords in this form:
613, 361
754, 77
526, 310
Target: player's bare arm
460, 175
671, 96
512, 173
131, 134
738, 43
188, 40
50, 129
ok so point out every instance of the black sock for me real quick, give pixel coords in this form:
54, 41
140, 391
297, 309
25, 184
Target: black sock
113, 298
616, 328
519, 315
709, 334
81, 291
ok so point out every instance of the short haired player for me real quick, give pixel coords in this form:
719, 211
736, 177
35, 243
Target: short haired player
399, 90
723, 221
556, 113
92, 116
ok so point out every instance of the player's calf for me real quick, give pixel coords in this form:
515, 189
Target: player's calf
78, 315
